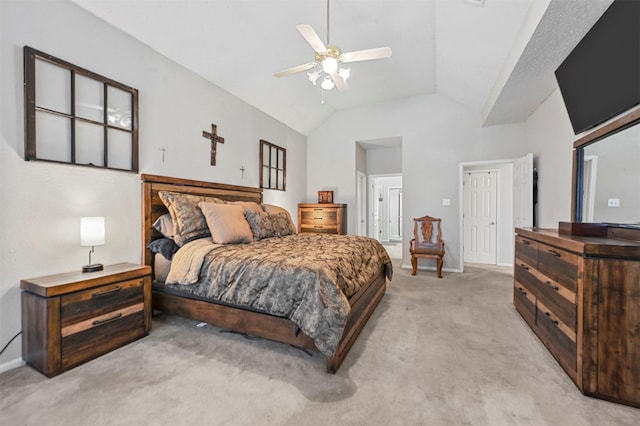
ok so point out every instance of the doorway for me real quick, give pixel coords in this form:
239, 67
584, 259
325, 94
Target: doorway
395, 214
514, 206
386, 207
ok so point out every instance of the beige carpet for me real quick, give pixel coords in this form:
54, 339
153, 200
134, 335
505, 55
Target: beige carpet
436, 352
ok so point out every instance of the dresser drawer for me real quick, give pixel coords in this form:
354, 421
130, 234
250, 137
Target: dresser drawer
557, 337
559, 265
527, 251
319, 229
97, 336
525, 303
319, 216
80, 306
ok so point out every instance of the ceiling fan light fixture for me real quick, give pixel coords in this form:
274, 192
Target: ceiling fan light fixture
327, 84
330, 65
314, 76
344, 73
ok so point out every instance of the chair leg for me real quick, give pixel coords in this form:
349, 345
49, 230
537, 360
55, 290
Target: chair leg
440, 267
414, 264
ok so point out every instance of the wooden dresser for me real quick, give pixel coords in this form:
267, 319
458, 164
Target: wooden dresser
322, 218
581, 297
71, 318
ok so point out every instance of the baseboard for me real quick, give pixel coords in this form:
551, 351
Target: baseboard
430, 268
18, 362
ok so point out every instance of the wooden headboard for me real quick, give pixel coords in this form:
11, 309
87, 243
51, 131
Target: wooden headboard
153, 207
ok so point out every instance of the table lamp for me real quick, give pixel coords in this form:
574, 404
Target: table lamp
91, 234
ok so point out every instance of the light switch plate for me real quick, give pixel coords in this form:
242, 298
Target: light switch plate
446, 201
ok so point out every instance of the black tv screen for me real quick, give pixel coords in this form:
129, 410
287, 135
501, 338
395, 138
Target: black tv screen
601, 77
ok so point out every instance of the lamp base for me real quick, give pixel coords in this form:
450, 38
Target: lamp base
93, 267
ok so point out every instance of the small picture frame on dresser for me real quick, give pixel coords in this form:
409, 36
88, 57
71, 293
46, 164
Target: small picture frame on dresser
325, 197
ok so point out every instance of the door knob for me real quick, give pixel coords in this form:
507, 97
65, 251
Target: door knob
492, 223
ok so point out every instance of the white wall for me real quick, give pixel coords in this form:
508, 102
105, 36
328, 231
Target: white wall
383, 161
42, 203
550, 139
437, 134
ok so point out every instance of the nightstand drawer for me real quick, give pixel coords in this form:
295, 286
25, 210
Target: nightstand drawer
82, 305
90, 339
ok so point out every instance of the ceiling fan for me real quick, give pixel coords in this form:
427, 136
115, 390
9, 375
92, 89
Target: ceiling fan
327, 58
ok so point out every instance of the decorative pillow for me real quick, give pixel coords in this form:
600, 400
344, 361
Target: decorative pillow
165, 246
227, 223
188, 222
270, 208
248, 205
267, 225
164, 225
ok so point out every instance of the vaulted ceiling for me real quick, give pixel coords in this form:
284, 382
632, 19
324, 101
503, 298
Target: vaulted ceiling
497, 58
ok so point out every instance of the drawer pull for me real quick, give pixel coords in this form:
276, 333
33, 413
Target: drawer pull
100, 322
525, 242
319, 218
555, 287
524, 266
317, 226
554, 321
319, 210
106, 292
521, 290
554, 253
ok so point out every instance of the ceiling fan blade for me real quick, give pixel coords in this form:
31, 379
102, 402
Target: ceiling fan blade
295, 69
340, 83
312, 38
366, 55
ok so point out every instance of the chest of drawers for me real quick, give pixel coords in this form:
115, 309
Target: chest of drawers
581, 297
69, 319
322, 218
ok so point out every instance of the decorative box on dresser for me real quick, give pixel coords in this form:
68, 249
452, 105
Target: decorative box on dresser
581, 297
71, 318
322, 218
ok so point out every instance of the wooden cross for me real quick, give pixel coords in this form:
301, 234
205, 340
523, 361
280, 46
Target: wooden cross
163, 149
214, 140
242, 169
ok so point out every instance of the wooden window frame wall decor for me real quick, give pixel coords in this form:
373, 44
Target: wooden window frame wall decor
273, 166
75, 116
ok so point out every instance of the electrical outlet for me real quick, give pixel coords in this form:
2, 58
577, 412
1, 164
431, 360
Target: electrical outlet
446, 202
613, 202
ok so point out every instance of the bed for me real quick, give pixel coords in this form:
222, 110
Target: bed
240, 318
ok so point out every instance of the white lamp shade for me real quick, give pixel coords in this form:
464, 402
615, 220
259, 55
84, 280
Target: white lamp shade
330, 65
91, 231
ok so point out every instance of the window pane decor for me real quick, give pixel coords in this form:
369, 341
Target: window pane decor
75, 116
273, 166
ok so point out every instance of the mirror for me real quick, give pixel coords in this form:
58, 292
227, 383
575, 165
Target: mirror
607, 174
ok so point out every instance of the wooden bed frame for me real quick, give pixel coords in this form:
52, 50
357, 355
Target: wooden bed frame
280, 329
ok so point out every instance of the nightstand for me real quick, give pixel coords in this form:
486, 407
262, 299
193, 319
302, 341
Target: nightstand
324, 218
71, 318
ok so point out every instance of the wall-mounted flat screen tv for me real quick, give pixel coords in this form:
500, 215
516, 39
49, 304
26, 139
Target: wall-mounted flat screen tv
601, 77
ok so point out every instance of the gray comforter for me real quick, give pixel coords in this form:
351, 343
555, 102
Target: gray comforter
307, 278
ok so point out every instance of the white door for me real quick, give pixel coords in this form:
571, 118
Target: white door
523, 192
480, 216
395, 214
362, 204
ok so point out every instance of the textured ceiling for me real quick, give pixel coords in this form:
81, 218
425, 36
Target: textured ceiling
489, 58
